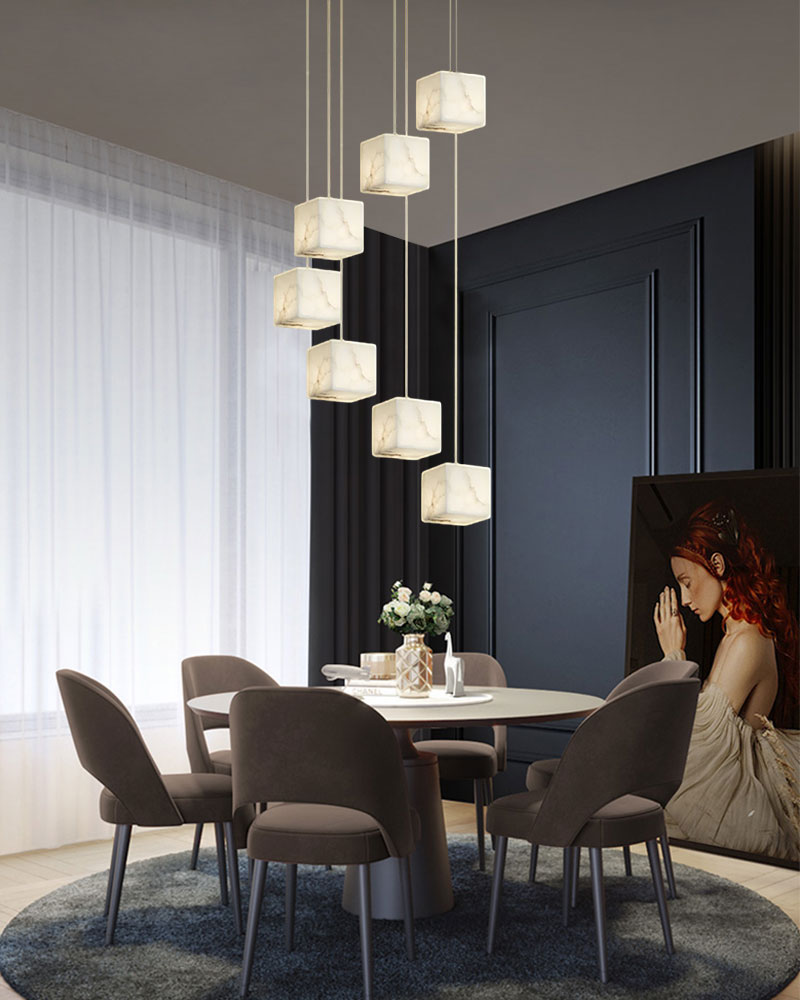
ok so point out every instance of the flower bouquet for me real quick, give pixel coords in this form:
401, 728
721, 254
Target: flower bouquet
413, 616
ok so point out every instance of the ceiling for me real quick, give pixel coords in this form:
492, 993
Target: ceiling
582, 95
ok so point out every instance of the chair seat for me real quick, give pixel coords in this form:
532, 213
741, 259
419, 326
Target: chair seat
462, 758
221, 759
309, 833
627, 820
200, 798
539, 774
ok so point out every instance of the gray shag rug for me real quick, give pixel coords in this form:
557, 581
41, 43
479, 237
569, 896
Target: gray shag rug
175, 942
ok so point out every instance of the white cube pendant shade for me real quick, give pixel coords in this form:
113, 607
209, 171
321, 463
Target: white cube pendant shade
308, 298
451, 102
395, 164
341, 371
406, 428
456, 494
330, 228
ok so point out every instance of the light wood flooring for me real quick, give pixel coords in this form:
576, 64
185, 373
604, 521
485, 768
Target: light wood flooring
26, 877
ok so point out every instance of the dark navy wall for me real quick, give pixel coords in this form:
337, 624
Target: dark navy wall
604, 340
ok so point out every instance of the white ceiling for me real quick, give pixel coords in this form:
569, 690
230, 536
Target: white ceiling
583, 95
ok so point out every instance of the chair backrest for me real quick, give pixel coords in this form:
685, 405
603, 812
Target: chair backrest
111, 748
661, 670
482, 670
323, 746
635, 744
210, 675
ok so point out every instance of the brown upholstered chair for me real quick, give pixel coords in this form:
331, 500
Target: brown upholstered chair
332, 767
541, 771
135, 792
471, 759
604, 792
210, 675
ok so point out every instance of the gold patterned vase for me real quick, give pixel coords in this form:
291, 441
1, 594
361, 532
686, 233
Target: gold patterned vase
414, 667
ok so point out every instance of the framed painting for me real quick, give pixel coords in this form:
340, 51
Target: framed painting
713, 578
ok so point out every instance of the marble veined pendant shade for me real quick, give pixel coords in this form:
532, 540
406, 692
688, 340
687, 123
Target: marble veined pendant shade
308, 298
451, 102
341, 371
330, 228
406, 428
456, 494
395, 164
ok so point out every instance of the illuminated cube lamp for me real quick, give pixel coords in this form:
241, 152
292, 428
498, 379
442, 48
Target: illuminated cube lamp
341, 371
307, 298
456, 494
406, 428
330, 228
395, 164
451, 102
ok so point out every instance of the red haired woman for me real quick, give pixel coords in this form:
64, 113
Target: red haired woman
740, 786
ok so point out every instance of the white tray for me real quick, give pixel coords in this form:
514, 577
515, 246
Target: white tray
435, 700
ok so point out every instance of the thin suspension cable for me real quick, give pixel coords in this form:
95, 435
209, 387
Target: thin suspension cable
308, 141
394, 66
405, 199
405, 53
450, 35
456, 34
455, 296
328, 41
341, 150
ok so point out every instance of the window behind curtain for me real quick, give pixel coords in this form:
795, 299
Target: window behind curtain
154, 452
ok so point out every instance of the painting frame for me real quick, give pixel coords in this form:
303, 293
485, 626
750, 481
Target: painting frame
768, 501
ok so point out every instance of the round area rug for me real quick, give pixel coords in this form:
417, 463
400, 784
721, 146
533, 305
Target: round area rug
175, 942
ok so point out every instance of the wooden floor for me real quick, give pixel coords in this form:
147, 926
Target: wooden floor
26, 877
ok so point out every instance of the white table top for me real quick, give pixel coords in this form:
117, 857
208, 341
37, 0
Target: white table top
507, 705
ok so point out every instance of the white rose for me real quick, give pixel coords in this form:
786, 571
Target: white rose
436, 597
426, 586
401, 608
397, 583
404, 594
446, 602
424, 596
388, 607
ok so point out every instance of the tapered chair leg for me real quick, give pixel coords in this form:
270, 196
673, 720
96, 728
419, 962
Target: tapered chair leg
568, 897
291, 897
658, 885
489, 799
365, 922
223, 881
408, 907
534, 860
626, 853
198, 835
250, 869
478, 793
574, 874
253, 913
497, 889
120, 860
599, 899
114, 847
673, 892
233, 875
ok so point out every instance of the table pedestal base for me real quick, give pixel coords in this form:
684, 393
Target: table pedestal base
431, 887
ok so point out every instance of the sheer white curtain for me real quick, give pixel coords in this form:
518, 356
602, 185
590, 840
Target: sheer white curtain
154, 451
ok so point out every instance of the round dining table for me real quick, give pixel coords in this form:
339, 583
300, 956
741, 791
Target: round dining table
432, 887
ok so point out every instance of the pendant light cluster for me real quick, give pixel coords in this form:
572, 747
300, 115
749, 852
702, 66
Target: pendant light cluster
327, 228
394, 164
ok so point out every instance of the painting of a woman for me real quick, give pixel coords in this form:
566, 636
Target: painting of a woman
740, 788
